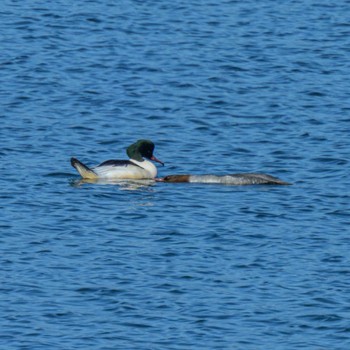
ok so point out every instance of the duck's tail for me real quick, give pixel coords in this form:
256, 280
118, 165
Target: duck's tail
83, 170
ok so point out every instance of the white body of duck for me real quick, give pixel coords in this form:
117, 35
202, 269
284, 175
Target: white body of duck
232, 179
135, 168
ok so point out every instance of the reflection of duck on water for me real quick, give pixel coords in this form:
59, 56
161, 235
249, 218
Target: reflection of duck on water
232, 179
124, 184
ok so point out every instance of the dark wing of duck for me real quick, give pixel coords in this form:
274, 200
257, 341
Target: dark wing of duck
114, 162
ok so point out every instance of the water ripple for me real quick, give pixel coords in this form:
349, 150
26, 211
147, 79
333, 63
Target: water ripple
220, 88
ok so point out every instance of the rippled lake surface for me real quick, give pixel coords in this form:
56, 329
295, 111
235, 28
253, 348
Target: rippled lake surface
220, 87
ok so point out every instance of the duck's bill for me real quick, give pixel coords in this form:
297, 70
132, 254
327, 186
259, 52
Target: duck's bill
156, 160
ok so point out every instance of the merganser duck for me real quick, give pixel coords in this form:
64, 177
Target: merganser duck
134, 168
232, 179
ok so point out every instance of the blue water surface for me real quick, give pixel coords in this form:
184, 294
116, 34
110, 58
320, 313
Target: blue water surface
220, 87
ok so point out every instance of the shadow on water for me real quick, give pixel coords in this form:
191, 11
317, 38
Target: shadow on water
123, 184
132, 185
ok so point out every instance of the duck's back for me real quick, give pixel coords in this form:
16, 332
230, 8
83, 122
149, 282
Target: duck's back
231, 179
239, 179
